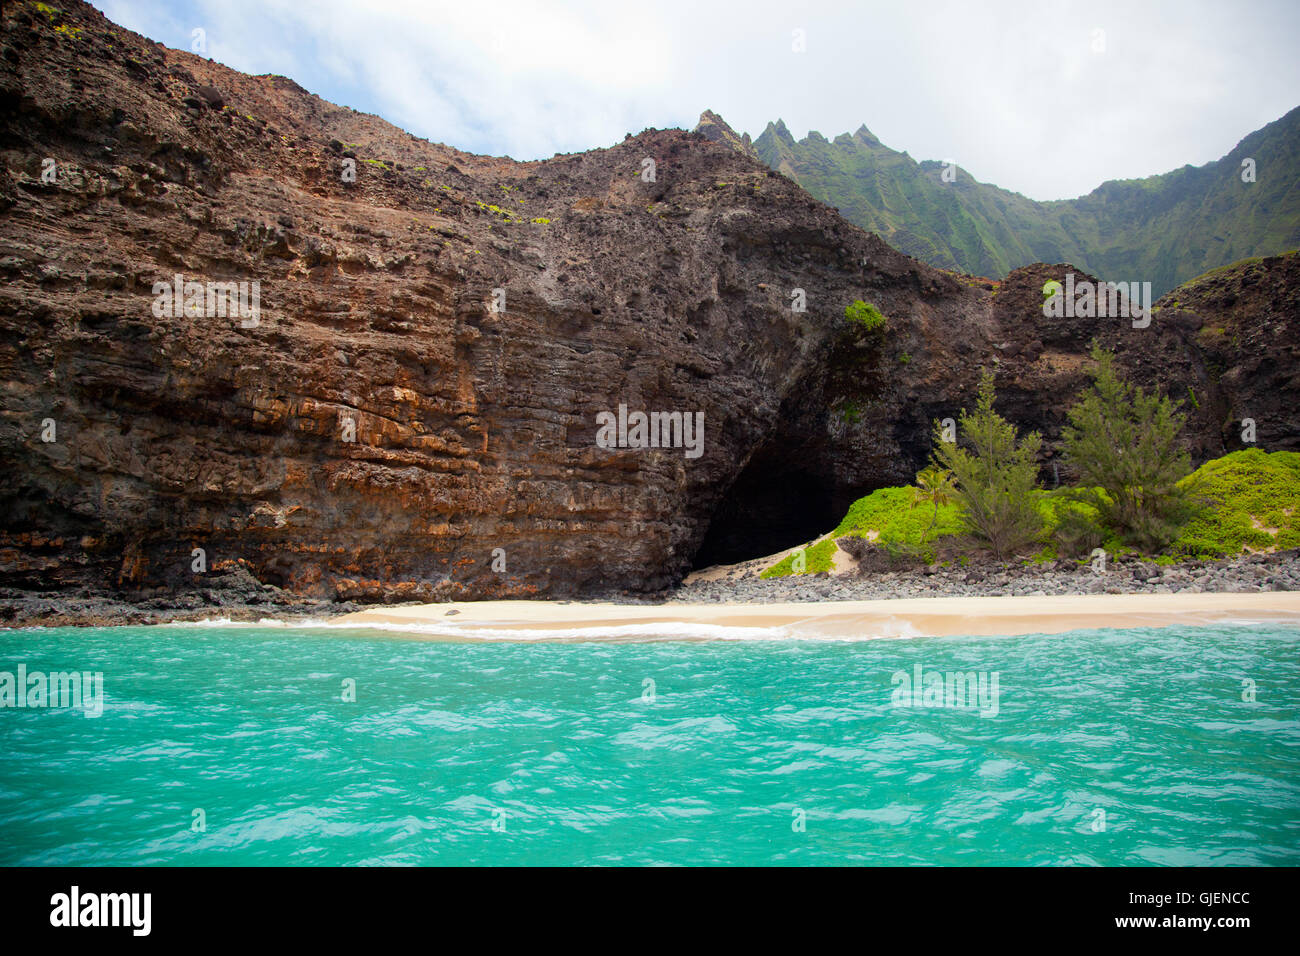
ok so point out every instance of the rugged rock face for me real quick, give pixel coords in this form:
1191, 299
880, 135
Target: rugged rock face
413, 411
1241, 325
1226, 345
715, 129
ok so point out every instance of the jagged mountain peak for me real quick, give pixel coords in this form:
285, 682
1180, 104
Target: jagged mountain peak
864, 135
780, 131
715, 129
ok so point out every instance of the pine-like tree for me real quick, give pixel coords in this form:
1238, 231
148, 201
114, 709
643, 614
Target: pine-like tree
1122, 443
995, 478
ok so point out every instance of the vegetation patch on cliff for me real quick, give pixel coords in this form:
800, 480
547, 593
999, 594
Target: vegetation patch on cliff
865, 315
1251, 499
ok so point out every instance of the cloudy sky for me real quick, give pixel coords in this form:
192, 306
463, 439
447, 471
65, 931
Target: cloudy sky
1046, 97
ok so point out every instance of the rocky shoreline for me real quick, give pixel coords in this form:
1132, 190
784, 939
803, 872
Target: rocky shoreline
237, 596
1277, 571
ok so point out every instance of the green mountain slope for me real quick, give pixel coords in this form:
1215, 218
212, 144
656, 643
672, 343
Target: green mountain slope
1163, 229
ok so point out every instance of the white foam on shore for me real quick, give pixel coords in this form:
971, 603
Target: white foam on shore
1255, 622
505, 631
485, 631
652, 631
662, 631
227, 622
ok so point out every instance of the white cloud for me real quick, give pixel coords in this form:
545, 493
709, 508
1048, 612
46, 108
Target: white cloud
1012, 90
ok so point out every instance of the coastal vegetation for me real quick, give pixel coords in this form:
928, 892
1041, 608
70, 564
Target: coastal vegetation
1122, 443
934, 485
888, 516
1135, 492
994, 477
815, 559
1251, 502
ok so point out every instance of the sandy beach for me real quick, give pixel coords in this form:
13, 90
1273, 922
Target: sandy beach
912, 617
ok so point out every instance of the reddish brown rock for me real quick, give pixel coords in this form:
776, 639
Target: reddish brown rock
473, 430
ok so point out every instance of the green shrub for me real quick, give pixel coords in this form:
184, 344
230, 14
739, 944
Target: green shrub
1235, 489
1075, 527
866, 315
818, 558
901, 527
889, 512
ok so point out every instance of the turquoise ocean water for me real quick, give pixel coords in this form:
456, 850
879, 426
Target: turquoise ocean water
1130, 747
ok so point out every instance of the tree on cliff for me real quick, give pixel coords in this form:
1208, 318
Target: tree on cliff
995, 478
1123, 445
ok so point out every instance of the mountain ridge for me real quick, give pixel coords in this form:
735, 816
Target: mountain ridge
1164, 229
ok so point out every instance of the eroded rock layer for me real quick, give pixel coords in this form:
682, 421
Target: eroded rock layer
413, 411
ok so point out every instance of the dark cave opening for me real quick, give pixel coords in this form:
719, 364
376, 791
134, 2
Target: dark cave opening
776, 502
